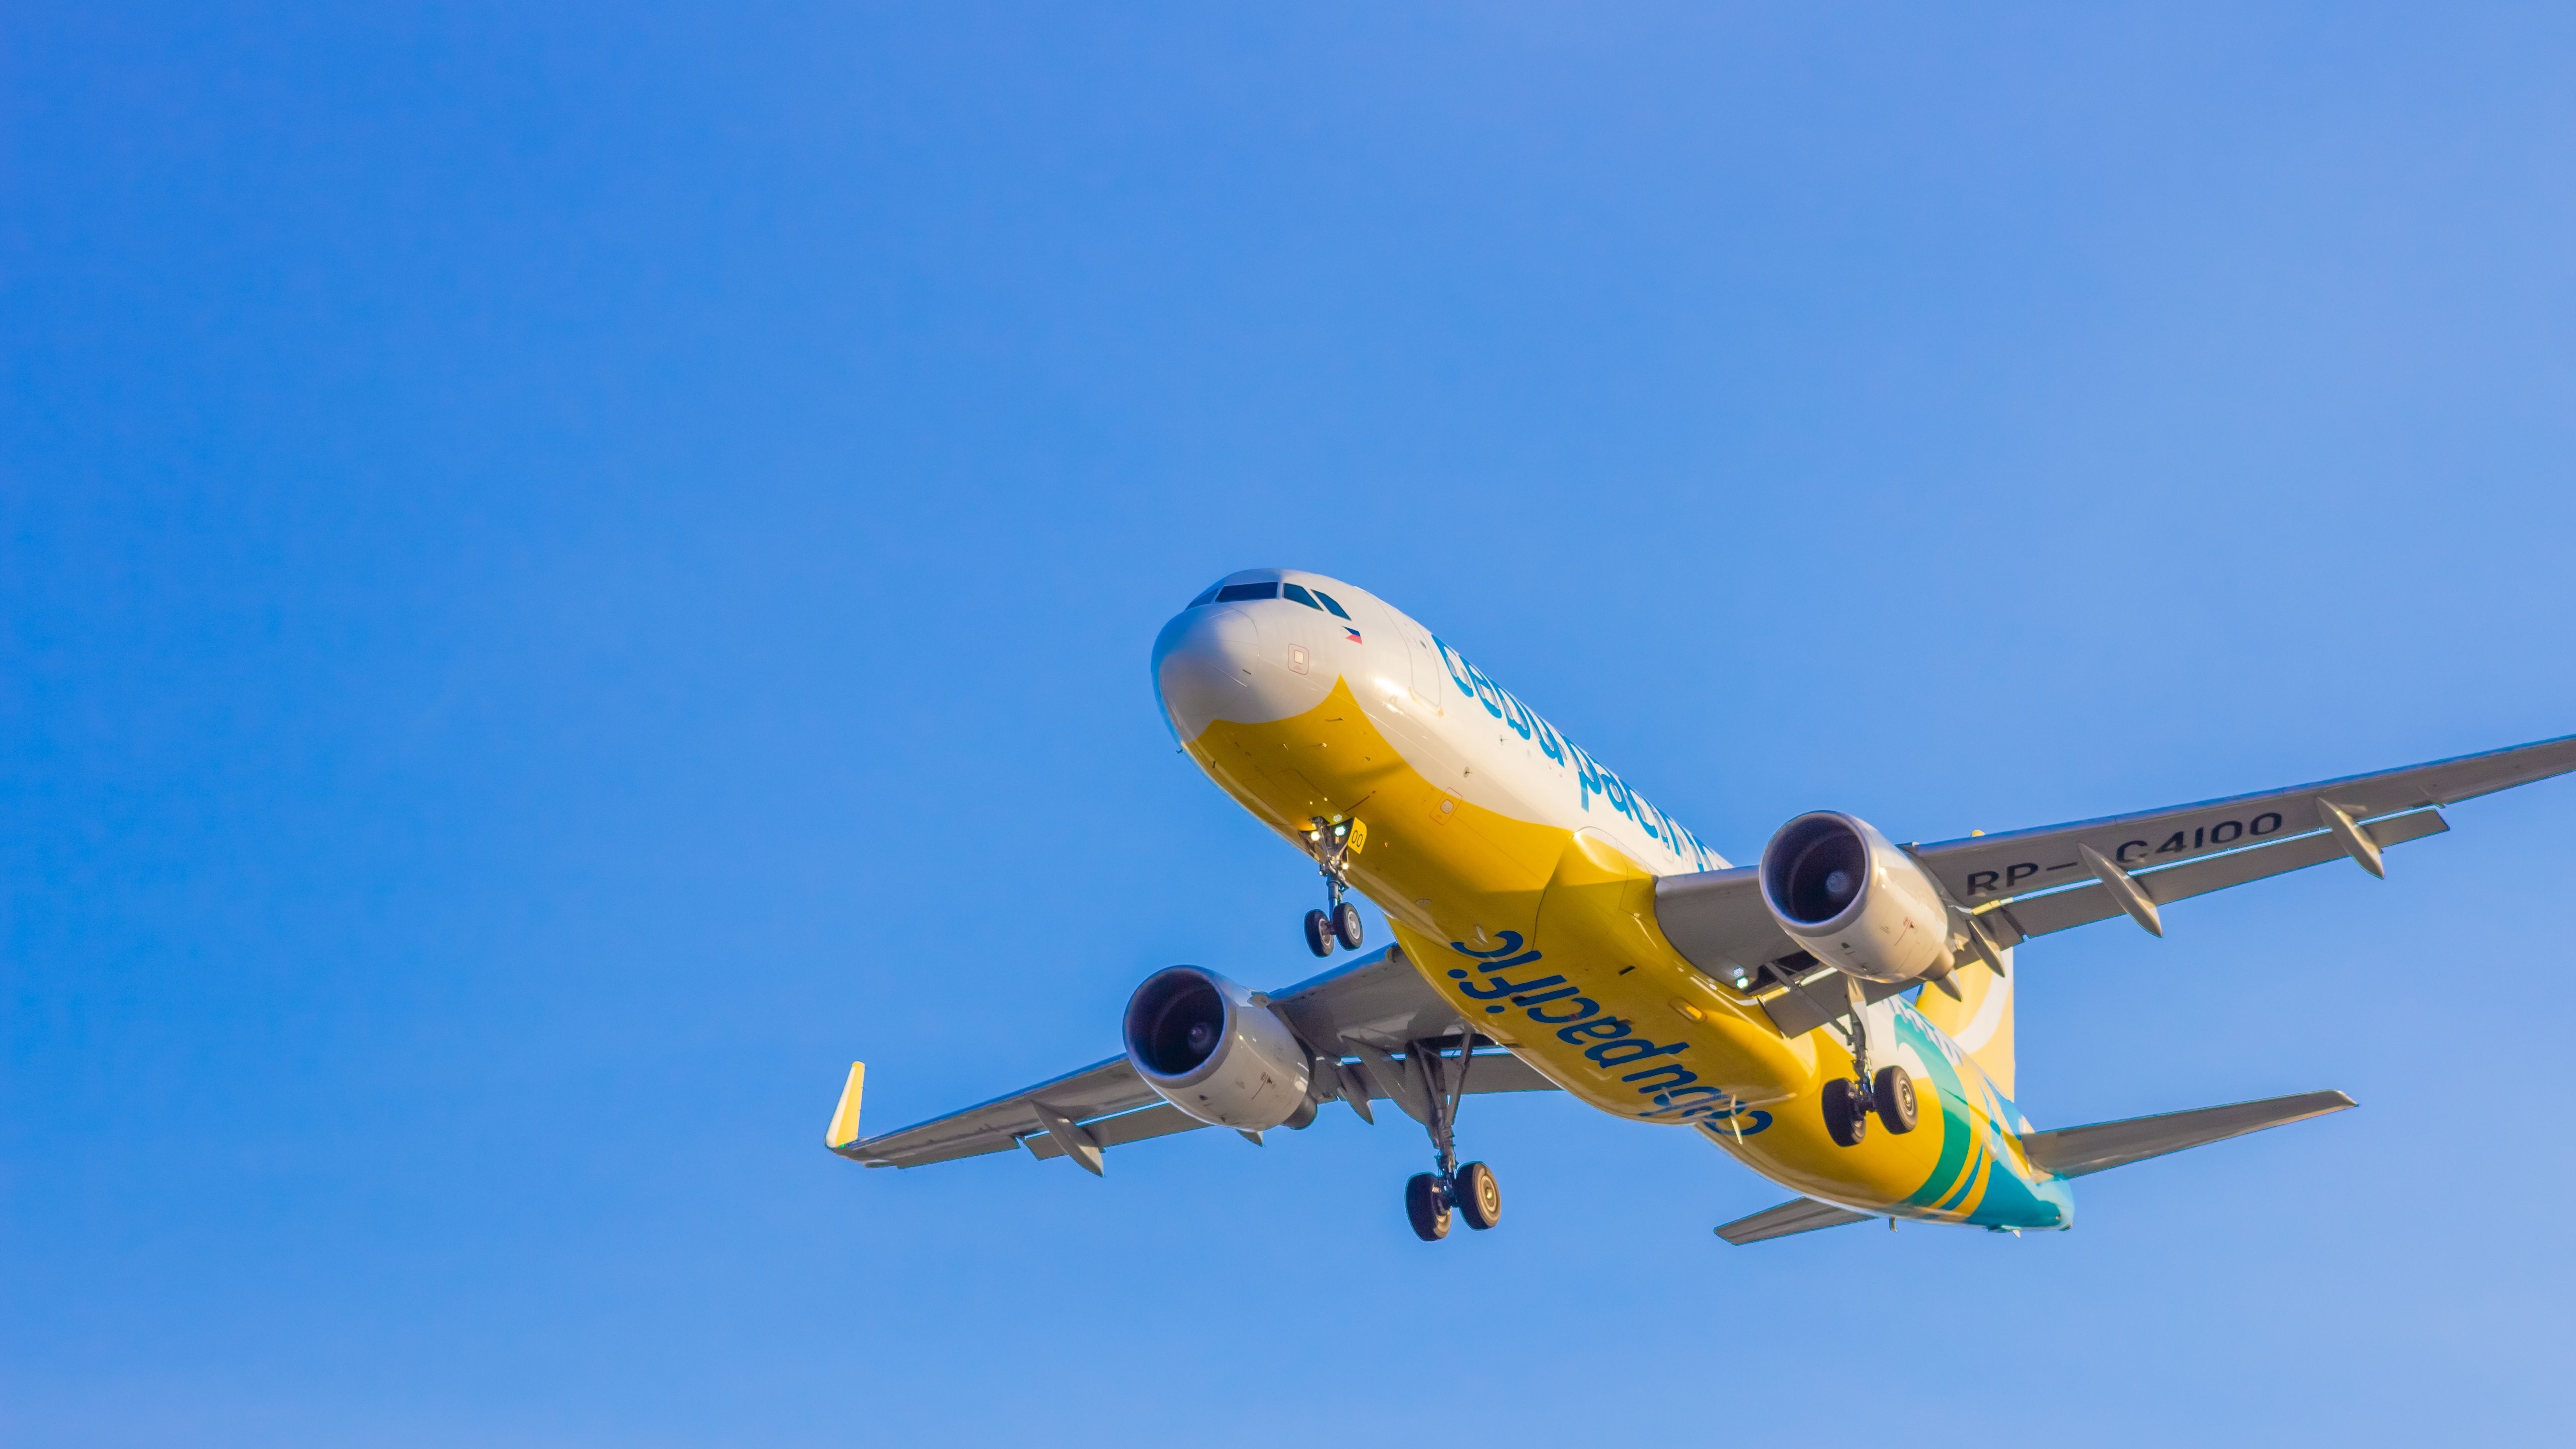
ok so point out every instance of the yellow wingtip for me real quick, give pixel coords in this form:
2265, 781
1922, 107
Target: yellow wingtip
845, 1118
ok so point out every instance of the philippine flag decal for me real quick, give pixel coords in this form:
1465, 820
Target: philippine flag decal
1354, 633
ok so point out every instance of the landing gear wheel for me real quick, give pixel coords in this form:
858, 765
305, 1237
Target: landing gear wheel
1319, 933
1846, 1112
1346, 925
1893, 1095
1478, 1195
1426, 1206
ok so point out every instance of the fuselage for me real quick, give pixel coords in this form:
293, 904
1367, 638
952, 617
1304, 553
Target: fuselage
1518, 874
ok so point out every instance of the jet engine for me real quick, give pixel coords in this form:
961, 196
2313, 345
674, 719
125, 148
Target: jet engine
1217, 1052
1855, 901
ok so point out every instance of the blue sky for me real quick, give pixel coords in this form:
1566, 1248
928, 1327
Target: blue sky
566, 574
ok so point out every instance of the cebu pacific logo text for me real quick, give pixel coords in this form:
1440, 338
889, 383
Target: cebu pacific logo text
1608, 1042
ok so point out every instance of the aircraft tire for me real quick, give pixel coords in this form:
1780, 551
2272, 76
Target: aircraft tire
1427, 1207
1479, 1196
1846, 1112
1319, 933
1893, 1095
1346, 925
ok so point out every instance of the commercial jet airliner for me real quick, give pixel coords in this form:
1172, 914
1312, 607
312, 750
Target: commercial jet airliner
1837, 1017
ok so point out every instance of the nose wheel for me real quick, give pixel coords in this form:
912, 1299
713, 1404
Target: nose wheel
1319, 933
1346, 925
1334, 841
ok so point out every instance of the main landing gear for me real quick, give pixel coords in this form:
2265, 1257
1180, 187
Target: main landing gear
1849, 1102
1334, 842
1471, 1193
1849, 1105
1468, 1190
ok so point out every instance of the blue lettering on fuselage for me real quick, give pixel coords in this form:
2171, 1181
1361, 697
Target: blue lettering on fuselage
1590, 777
1513, 981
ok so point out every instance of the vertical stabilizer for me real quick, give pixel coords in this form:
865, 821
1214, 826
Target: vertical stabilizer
1981, 1020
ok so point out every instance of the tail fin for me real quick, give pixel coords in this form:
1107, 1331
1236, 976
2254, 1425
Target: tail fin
1981, 1020
844, 1130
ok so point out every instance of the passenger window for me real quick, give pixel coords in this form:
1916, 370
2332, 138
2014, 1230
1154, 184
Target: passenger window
1237, 593
1207, 597
1338, 611
1292, 591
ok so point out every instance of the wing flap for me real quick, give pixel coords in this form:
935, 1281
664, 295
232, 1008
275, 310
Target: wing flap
1716, 919
1098, 1090
1379, 997
1494, 1071
1798, 1215
948, 1151
2076, 1151
2059, 910
1161, 1120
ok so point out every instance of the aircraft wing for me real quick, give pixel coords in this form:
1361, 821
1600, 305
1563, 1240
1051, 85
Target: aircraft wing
1369, 1025
2028, 883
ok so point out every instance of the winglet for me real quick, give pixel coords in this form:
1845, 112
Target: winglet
844, 1131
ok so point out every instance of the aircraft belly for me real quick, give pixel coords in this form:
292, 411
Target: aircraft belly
1544, 937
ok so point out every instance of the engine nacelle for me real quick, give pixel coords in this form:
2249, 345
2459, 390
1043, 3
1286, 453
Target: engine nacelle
1855, 901
1214, 1051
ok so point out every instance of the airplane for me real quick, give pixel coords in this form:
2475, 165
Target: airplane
1837, 1016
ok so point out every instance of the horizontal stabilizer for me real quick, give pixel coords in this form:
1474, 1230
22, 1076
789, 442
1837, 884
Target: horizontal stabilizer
1798, 1215
2075, 1151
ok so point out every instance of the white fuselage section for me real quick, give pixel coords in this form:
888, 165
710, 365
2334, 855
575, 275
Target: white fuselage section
1254, 661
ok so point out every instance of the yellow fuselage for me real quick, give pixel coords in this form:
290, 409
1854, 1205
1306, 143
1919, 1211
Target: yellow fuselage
1542, 932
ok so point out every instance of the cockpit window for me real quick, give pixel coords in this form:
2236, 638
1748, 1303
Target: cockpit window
1237, 593
1206, 597
1292, 591
1338, 611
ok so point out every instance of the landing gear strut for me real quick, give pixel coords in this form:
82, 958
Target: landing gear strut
1849, 1102
1334, 841
1469, 1189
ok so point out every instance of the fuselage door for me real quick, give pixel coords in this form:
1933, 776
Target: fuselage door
1431, 682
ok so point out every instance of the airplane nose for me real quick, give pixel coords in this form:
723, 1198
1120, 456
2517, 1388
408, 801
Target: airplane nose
1204, 662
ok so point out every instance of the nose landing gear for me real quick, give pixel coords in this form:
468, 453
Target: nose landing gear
1334, 841
1319, 933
